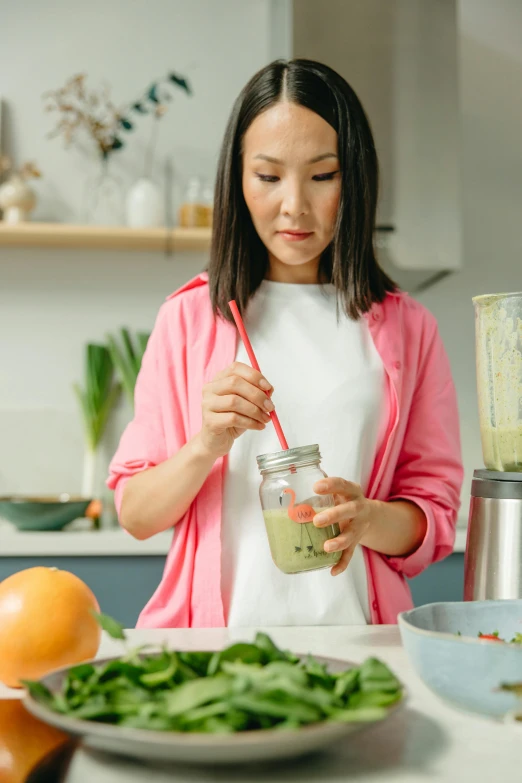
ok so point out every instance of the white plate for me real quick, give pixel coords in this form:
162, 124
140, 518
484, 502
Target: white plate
245, 746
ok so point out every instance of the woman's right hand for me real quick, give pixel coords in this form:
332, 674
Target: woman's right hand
233, 402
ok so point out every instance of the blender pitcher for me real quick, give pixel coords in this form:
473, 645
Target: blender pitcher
493, 561
498, 331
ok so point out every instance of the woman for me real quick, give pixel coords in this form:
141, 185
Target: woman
356, 366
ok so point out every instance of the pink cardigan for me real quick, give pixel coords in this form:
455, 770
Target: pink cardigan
419, 459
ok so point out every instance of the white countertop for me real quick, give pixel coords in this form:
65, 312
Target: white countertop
428, 741
80, 543
89, 543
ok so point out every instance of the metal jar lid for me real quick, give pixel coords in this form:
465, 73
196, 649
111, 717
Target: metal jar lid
281, 460
497, 485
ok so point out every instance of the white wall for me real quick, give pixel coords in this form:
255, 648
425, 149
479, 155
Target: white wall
53, 302
490, 64
126, 45
491, 84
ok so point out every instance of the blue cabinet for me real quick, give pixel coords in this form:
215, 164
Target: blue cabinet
123, 585
443, 581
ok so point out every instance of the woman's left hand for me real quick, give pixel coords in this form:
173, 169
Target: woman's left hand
352, 513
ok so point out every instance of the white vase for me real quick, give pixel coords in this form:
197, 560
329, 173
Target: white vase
17, 199
144, 207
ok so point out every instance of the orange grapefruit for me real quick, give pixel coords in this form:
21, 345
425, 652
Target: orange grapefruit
45, 623
24, 740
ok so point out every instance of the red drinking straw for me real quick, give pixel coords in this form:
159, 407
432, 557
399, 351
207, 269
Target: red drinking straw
253, 361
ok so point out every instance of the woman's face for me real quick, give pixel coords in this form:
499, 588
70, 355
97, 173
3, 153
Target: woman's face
292, 185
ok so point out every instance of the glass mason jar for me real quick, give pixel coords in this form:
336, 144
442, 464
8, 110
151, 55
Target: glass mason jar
289, 506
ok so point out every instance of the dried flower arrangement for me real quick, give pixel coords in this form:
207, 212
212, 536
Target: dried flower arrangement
28, 170
93, 111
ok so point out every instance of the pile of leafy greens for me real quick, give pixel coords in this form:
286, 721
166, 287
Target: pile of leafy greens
247, 686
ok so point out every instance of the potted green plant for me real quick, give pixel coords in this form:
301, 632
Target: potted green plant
127, 354
96, 398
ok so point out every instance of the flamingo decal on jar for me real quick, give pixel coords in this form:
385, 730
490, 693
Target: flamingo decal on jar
301, 513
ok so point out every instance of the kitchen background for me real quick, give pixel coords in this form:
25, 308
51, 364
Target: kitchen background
55, 300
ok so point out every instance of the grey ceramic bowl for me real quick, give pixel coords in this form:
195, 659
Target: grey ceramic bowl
42, 513
465, 670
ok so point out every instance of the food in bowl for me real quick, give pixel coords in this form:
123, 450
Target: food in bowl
495, 637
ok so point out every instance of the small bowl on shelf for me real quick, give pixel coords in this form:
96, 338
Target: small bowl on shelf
52, 512
474, 674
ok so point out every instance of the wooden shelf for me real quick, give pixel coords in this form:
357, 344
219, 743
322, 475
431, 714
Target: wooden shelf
67, 235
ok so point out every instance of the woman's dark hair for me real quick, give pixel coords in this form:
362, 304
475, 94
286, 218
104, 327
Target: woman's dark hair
238, 259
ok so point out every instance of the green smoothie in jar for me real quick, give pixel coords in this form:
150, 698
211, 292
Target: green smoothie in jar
289, 506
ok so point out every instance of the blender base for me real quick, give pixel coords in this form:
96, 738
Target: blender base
493, 560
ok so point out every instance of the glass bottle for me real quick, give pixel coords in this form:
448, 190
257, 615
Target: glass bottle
207, 198
190, 210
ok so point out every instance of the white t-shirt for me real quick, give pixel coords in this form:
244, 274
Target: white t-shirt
329, 384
